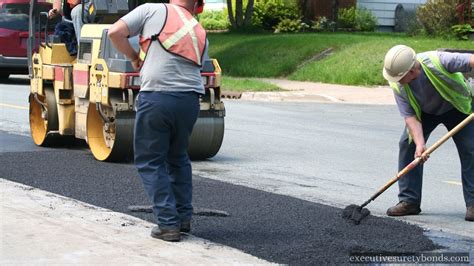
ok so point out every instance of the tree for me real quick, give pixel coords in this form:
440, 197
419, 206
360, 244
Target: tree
240, 20
335, 9
309, 9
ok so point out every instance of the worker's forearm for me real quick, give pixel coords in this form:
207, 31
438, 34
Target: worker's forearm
123, 45
472, 61
118, 35
416, 130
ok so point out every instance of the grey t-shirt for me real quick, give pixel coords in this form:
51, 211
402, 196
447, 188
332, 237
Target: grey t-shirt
161, 70
428, 98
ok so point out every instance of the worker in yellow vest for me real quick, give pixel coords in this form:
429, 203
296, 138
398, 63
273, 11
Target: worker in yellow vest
173, 44
430, 89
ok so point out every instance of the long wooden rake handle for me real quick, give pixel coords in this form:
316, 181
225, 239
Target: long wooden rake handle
418, 160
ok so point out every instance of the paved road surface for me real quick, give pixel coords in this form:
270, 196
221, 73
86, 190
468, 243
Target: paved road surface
277, 228
316, 153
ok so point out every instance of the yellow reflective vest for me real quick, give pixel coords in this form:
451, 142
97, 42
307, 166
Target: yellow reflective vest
451, 86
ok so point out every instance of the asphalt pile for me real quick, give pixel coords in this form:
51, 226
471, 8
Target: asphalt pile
274, 227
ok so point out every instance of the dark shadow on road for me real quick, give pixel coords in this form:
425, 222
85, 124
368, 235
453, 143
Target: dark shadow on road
16, 80
10, 142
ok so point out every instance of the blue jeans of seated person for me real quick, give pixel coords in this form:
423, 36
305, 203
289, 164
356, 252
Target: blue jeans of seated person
76, 15
163, 125
410, 185
67, 29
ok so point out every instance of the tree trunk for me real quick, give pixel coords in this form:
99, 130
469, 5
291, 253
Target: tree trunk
249, 13
239, 15
230, 12
306, 11
335, 10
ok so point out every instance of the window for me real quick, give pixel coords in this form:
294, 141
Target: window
16, 16
112, 53
85, 52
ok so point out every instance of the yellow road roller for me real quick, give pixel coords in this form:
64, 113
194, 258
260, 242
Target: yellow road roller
91, 95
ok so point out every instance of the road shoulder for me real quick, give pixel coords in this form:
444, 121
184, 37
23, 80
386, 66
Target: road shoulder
39, 227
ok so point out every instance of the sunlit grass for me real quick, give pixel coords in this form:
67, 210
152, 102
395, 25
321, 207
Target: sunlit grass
356, 59
246, 84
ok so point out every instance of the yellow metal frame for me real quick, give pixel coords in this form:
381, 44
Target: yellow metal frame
217, 72
94, 32
65, 84
48, 72
99, 80
61, 55
117, 80
80, 90
36, 81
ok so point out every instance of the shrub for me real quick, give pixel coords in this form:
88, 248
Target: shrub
291, 25
463, 31
323, 24
365, 20
356, 19
269, 13
214, 20
437, 17
414, 27
346, 18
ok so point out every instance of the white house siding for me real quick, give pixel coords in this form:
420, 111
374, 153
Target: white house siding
385, 10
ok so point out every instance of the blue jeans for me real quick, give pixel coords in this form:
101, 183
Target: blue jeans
76, 15
163, 125
410, 184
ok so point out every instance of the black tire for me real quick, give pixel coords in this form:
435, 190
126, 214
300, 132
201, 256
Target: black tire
206, 138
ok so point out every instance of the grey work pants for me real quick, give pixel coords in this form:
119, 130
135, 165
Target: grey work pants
410, 185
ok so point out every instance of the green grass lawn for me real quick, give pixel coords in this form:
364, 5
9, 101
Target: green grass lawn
246, 84
357, 58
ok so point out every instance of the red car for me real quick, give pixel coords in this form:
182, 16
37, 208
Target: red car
14, 16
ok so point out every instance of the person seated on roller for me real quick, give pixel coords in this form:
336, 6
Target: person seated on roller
69, 29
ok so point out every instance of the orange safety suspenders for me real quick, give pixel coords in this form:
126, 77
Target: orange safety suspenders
181, 35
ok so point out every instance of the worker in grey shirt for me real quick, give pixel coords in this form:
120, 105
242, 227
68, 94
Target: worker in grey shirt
161, 70
430, 89
172, 44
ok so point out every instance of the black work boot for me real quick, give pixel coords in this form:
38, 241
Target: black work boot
171, 235
185, 227
404, 208
470, 214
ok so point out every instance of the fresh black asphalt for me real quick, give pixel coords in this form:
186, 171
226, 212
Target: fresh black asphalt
273, 227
